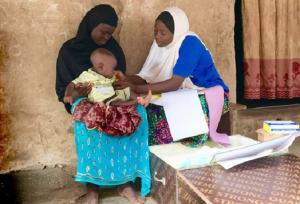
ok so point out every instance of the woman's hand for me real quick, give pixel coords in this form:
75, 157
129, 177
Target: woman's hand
82, 89
122, 84
74, 91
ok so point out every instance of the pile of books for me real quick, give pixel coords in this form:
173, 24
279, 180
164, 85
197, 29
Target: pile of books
280, 126
276, 128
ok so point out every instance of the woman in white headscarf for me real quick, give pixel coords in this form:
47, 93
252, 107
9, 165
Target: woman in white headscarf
179, 59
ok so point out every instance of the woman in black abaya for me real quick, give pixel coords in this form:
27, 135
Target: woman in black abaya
103, 161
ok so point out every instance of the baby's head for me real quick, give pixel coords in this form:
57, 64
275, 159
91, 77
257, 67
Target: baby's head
104, 62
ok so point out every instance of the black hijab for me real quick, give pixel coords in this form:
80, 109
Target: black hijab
167, 19
74, 55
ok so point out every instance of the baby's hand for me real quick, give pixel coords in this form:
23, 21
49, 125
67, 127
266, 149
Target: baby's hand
119, 75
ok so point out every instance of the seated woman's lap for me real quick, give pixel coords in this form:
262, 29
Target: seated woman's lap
110, 161
159, 132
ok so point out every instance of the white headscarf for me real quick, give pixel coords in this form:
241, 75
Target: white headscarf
161, 60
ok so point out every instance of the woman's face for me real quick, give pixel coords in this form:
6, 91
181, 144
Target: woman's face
163, 36
102, 33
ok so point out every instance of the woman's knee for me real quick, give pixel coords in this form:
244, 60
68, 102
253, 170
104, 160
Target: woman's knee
218, 88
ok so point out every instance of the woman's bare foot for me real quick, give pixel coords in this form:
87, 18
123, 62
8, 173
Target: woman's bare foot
91, 197
128, 192
87, 199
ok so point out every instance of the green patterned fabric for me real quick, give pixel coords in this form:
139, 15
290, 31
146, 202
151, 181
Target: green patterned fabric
159, 132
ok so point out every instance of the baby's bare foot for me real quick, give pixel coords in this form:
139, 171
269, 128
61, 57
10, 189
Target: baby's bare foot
144, 101
148, 98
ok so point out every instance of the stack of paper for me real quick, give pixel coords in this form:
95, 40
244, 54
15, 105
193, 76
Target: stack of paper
280, 126
231, 158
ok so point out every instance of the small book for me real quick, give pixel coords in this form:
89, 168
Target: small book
280, 126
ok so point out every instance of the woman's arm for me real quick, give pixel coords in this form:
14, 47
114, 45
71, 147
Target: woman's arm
74, 91
135, 79
68, 98
63, 77
127, 81
160, 87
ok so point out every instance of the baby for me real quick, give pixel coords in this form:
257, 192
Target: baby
101, 77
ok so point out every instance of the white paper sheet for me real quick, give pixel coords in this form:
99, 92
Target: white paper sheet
182, 157
183, 112
233, 162
231, 158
